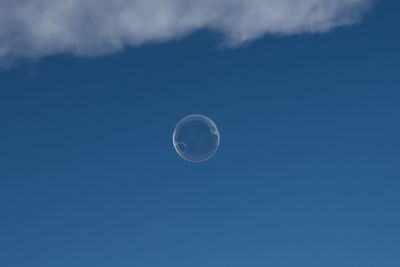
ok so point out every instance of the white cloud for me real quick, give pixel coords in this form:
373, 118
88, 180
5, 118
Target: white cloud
36, 28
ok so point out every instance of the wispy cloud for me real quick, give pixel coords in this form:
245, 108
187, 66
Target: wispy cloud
36, 28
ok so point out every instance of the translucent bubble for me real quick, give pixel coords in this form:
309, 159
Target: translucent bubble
196, 138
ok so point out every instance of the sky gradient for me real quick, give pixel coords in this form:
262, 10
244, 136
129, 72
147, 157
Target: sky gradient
307, 172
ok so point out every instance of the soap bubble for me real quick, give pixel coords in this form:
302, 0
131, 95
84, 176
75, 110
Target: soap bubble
196, 138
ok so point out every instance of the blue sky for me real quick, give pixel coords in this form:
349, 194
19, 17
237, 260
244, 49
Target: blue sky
307, 173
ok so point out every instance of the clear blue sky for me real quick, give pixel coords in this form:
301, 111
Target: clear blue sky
307, 173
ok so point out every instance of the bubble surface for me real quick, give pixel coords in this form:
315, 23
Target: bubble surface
196, 138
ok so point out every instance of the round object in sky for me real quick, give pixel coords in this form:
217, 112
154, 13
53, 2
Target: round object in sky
196, 138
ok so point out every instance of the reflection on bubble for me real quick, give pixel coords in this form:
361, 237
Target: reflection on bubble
196, 138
